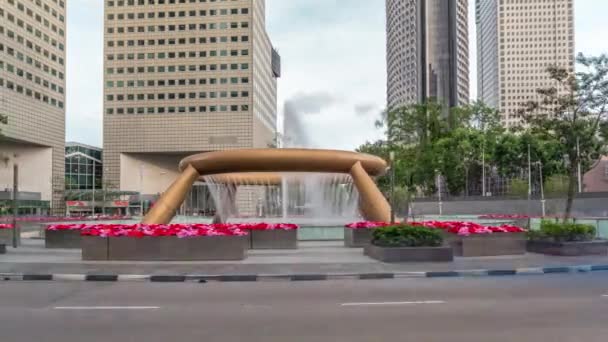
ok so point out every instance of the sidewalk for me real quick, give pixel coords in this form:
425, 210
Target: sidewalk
327, 258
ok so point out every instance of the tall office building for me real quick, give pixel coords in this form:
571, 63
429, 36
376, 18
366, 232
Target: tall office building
32, 96
183, 77
427, 51
516, 42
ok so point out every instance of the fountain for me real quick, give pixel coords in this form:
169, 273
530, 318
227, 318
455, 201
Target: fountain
316, 185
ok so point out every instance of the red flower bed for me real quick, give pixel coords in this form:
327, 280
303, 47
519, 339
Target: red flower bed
366, 225
468, 228
6, 226
179, 230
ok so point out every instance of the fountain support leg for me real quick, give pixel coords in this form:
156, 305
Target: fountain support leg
374, 206
166, 207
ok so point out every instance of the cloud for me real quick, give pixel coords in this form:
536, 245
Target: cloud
363, 109
295, 108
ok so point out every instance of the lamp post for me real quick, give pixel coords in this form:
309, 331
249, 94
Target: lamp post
392, 158
16, 233
440, 203
93, 199
542, 189
141, 189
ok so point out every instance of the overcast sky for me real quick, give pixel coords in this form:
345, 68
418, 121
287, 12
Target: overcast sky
333, 58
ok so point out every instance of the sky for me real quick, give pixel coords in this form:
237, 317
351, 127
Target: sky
333, 83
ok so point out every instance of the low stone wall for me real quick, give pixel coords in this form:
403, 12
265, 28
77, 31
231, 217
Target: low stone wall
410, 254
62, 239
578, 248
487, 244
587, 204
274, 239
168, 248
356, 238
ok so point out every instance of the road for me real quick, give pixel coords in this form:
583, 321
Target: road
530, 308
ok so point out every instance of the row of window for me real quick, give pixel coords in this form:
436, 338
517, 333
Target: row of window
172, 109
31, 93
120, 3
180, 82
174, 41
179, 54
32, 46
181, 27
34, 31
46, 7
29, 60
27, 75
40, 19
181, 96
177, 68
177, 14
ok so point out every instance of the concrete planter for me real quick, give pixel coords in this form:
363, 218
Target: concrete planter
94, 247
487, 244
410, 254
361, 237
577, 248
62, 239
6, 236
171, 248
274, 239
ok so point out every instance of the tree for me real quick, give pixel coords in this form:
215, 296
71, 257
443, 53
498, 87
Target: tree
573, 111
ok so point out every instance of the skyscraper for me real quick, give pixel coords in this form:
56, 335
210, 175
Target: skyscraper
427, 51
32, 96
516, 42
183, 77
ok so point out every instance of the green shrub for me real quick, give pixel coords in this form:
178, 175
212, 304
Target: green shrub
407, 236
518, 188
556, 185
563, 232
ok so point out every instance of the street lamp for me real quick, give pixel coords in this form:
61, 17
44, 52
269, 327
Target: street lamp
440, 203
392, 159
141, 189
542, 189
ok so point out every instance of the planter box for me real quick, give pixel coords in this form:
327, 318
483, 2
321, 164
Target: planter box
274, 239
598, 247
171, 248
6, 236
487, 244
94, 247
62, 238
357, 237
409, 254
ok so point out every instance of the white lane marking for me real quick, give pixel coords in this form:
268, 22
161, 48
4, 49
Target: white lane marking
395, 303
606, 295
106, 307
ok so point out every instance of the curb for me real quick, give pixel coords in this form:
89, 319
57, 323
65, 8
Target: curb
176, 278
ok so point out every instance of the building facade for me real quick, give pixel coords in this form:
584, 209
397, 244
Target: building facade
183, 77
516, 42
32, 96
427, 52
83, 167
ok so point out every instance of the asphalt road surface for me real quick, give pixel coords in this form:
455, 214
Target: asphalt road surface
531, 308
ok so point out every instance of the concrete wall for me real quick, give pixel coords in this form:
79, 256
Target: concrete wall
35, 168
586, 206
